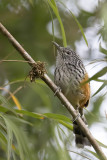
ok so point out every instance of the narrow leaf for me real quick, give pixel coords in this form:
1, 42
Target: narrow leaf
53, 3
104, 51
31, 114
101, 144
13, 97
56, 12
16, 101
3, 138
98, 74
31, 2
102, 86
93, 153
76, 20
12, 124
80, 154
52, 22
57, 117
70, 127
3, 109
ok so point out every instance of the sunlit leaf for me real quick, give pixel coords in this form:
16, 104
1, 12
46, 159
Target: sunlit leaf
16, 102
56, 12
31, 2
104, 51
53, 1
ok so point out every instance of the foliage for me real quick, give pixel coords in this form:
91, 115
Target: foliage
33, 123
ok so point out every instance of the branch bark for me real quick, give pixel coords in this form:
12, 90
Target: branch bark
60, 95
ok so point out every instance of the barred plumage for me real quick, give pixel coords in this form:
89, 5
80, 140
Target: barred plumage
69, 74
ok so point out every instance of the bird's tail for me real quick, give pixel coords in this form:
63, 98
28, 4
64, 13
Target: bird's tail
80, 138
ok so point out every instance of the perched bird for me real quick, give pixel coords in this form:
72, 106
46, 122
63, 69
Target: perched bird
70, 75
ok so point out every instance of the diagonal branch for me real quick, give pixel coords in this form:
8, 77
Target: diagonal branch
60, 95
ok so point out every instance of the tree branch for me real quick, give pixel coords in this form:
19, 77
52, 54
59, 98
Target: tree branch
60, 95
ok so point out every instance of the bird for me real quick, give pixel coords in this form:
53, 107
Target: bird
70, 76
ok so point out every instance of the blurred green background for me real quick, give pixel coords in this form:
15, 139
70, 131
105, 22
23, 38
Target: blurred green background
30, 22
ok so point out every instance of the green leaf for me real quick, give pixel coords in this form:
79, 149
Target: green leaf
101, 80
61, 119
80, 154
24, 81
5, 105
2, 137
56, 12
3, 109
53, 3
93, 153
59, 132
9, 138
76, 20
31, 2
52, 22
13, 130
40, 89
31, 114
69, 126
60, 129
104, 51
101, 144
45, 115
98, 74
57, 117
102, 86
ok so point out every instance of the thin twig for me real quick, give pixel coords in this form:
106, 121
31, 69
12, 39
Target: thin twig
60, 95
13, 60
17, 90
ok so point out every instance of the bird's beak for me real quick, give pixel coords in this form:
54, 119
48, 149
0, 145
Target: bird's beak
57, 45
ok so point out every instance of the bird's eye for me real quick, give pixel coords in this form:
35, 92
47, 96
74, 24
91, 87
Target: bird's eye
67, 53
